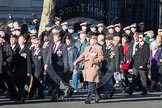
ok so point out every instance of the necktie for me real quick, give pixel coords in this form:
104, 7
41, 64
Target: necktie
33, 54
54, 48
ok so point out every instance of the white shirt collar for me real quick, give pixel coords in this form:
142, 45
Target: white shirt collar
22, 46
141, 43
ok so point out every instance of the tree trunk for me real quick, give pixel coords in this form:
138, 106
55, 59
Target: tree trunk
48, 11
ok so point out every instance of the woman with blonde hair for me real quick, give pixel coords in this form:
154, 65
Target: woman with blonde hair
158, 41
154, 64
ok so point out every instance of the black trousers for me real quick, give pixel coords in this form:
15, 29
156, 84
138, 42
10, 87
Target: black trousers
139, 76
7, 77
56, 85
92, 90
37, 84
20, 82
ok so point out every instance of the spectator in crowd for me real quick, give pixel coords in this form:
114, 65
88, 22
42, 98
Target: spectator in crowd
80, 45
154, 64
141, 58
110, 30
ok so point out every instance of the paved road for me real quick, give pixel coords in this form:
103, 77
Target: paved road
152, 100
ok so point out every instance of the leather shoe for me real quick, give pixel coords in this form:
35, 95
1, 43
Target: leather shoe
87, 101
143, 93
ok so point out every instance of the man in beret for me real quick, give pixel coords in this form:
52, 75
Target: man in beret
93, 30
31, 30
47, 30
70, 30
75, 37
8, 29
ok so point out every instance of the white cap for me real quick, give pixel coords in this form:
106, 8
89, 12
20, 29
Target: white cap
100, 25
111, 26
134, 25
64, 23
159, 30
83, 24
17, 28
145, 33
117, 25
126, 28
141, 23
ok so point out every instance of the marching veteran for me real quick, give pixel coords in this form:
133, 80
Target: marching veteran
92, 57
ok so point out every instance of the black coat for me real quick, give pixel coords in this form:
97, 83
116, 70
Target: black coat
20, 64
141, 56
106, 61
5, 55
15, 48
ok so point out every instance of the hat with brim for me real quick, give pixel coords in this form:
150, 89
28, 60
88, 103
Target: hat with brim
126, 28
12, 29
109, 38
83, 24
117, 25
109, 27
134, 25
33, 35
17, 28
159, 30
64, 23
13, 36
100, 25
93, 37
141, 23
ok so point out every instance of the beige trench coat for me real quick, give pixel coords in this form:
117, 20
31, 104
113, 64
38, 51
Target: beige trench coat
92, 57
